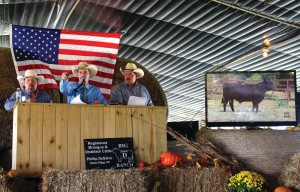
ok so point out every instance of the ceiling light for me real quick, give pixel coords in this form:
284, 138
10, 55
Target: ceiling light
265, 51
267, 42
266, 46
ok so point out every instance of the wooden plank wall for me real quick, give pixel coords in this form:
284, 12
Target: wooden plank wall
51, 135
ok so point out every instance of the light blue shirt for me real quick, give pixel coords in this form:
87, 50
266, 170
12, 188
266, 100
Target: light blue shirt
41, 97
122, 92
71, 90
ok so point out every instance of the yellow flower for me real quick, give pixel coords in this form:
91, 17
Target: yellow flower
198, 165
189, 157
216, 162
246, 181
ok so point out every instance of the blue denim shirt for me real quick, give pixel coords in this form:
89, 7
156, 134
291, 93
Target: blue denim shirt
71, 90
41, 97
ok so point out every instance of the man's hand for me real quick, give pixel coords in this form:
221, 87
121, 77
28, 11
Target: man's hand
96, 101
64, 75
30, 100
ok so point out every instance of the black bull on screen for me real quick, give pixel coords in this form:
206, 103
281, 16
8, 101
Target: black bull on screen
254, 93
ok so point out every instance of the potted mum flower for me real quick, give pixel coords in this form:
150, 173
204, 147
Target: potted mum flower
247, 181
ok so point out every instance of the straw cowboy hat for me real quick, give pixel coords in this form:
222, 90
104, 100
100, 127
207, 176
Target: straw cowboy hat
30, 74
133, 68
84, 65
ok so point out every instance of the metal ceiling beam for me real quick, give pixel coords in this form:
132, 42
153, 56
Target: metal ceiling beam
257, 14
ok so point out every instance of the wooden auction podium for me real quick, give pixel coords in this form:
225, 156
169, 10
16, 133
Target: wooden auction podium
51, 135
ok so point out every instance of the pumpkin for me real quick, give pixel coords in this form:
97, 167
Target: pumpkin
282, 189
171, 159
12, 173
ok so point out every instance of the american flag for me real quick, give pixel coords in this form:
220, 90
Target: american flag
51, 51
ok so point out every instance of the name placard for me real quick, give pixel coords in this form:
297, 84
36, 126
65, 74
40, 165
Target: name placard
109, 153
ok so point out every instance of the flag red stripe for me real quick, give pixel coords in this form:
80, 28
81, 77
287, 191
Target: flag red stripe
60, 71
36, 66
99, 84
106, 96
48, 76
102, 64
89, 43
88, 33
105, 75
86, 53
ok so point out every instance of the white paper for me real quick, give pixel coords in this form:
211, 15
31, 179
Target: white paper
23, 98
133, 100
77, 100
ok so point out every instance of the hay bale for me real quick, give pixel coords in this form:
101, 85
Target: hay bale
7, 87
8, 184
193, 179
8, 76
6, 128
264, 151
170, 179
290, 175
97, 180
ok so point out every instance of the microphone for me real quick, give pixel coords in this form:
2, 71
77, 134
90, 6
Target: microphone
83, 80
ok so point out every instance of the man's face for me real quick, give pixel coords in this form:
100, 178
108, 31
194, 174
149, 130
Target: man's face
129, 77
82, 73
30, 84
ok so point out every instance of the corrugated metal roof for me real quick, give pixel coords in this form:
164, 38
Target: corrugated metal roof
176, 40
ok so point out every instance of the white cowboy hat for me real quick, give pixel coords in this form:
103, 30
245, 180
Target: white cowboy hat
30, 74
84, 65
133, 68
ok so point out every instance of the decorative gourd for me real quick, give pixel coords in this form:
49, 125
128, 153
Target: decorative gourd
282, 189
170, 159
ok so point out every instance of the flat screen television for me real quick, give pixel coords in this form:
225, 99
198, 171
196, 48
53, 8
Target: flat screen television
251, 98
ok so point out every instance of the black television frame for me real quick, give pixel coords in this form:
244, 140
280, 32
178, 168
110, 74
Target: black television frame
254, 124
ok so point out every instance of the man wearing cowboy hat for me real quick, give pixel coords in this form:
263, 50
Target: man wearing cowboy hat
88, 93
30, 93
130, 87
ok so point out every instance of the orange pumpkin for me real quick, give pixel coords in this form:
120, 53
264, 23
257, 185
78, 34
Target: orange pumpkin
282, 189
170, 159
12, 173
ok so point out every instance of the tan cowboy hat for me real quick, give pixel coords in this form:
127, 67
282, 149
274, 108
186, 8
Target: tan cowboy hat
30, 74
84, 65
132, 67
